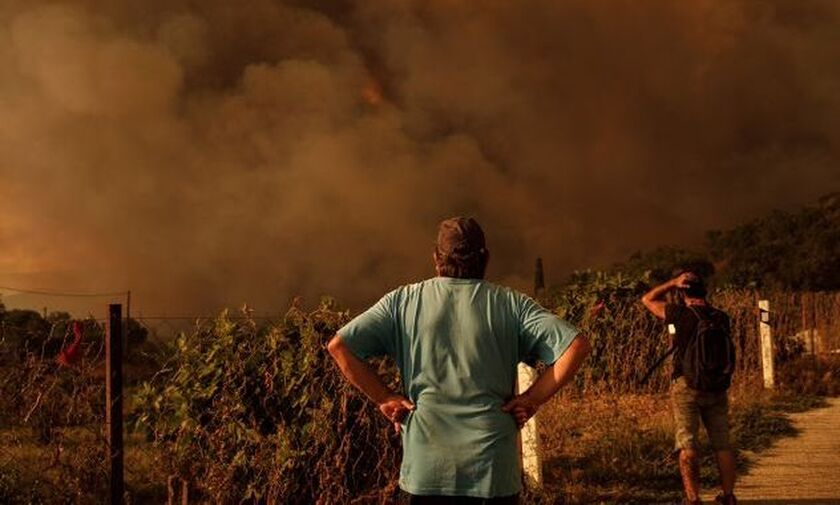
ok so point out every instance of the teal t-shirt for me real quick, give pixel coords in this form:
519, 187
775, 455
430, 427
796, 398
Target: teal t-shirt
457, 343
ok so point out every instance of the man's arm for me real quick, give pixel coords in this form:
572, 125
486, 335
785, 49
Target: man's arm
653, 299
392, 405
525, 405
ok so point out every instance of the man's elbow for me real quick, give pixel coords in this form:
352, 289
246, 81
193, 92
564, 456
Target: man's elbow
655, 308
335, 346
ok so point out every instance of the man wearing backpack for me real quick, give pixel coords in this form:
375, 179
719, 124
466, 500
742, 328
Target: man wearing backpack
704, 359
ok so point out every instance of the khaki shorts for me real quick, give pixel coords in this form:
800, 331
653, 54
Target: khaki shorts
690, 406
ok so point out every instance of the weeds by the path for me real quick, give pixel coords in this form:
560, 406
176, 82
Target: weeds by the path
619, 448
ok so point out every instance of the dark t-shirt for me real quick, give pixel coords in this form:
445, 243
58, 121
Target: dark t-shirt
685, 322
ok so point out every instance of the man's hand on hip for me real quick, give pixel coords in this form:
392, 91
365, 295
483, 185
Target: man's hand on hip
521, 408
395, 408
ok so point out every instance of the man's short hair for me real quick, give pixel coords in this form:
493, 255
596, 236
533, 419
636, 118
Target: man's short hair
461, 250
695, 288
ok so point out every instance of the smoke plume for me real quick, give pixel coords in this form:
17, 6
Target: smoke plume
209, 153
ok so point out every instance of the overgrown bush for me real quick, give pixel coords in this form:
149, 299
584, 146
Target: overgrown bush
248, 414
809, 375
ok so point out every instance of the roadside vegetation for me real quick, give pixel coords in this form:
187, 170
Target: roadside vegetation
618, 448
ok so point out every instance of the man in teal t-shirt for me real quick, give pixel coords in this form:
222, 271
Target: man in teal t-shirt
457, 340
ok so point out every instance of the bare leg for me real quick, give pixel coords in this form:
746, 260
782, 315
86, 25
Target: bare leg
726, 466
690, 471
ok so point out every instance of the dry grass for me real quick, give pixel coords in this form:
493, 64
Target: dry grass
608, 448
71, 470
618, 448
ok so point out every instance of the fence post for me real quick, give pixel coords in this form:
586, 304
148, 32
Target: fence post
529, 437
126, 332
185, 492
114, 403
766, 340
809, 327
170, 490
816, 336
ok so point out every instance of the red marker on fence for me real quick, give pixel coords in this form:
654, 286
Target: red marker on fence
72, 352
596, 309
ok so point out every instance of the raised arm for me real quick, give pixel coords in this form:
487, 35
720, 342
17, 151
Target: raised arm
525, 405
392, 405
654, 299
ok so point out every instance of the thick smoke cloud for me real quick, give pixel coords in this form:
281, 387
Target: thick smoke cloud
210, 153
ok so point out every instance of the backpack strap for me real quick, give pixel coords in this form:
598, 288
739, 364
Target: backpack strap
656, 364
696, 313
701, 356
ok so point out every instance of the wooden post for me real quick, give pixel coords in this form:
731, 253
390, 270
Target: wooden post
126, 333
804, 335
170, 490
529, 437
809, 327
816, 340
114, 402
766, 340
185, 492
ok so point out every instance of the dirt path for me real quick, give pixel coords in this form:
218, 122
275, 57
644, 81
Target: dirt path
798, 470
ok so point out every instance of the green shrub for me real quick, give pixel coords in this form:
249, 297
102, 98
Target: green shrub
249, 413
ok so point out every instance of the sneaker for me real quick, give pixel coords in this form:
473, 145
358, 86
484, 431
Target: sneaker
726, 499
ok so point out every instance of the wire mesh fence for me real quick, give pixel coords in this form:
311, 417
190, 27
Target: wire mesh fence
244, 408
51, 442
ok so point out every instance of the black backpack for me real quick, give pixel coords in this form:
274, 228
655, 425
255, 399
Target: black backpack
709, 357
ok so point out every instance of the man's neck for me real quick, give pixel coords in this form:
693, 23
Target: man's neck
695, 301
